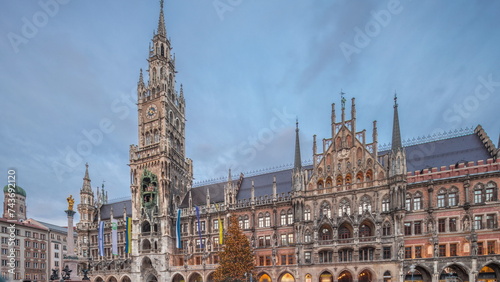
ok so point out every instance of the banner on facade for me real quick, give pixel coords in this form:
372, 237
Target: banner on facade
128, 235
100, 238
199, 225
114, 237
178, 230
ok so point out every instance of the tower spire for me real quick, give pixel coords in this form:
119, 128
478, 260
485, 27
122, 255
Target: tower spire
86, 181
396, 135
297, 163
161, 22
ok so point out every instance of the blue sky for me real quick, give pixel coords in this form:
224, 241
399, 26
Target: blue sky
68, 70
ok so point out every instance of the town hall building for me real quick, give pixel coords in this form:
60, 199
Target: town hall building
420, 211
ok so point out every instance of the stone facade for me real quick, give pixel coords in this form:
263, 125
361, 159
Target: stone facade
426, 211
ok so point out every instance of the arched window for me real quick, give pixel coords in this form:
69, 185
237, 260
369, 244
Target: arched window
348, 179
441, 198
246, 222
325, 232
240, 222
386, 204
307, 236
261, 220
491, 192
148, 138
326, 210
345, 233
386, 229
283, 217
369, 174
359, 177
328, 182
408, 202
307, 213
153, 75
417, 201
320, 184
156, 137
365, 231
453, 197
344, 207
365, 204
340, 180
268, 219
290, 216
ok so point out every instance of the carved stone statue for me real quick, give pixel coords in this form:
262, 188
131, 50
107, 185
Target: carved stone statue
71, 202
67, 273
55, 274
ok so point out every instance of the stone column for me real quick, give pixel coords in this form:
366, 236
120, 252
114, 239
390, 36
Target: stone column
70, 259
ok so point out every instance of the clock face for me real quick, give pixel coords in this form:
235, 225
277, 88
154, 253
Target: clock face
151, 111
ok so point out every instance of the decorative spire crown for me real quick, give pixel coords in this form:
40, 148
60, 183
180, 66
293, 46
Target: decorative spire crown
297, 161
161, 22
396, 134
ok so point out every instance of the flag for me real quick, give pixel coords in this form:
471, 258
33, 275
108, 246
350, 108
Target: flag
100, 238
128, 235
114, 237
199, 226
178, 230
221, 226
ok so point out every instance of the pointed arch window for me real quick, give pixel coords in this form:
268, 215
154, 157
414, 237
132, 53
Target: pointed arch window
307, 213
283, 217
453, 197
386, 229
491, 192
441, 198
340, 180
344, 207
290, 216
326, 210
246, 222
386, 204
268, 219
261, 220
417, 201
365, 204
307, 236
325, 233
156, 137
408, 202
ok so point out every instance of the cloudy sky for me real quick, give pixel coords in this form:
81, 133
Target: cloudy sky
248, 68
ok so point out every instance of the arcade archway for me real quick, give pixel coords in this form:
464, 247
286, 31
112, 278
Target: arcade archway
454, 273
195, 277
265, 278
325, 276
287, 277
178, 278
489, 273
365, 276
344, 276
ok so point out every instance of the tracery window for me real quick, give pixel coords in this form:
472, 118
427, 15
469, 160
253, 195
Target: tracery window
344, 207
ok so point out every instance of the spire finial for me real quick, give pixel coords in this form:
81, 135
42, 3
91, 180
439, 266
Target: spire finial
297, 162
342, 98
141, 78
396, 134
161, 22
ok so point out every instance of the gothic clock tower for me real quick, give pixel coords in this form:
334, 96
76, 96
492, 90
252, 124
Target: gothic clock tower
159, 170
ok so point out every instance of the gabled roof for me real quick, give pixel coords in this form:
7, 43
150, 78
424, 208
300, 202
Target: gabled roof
199, 194
117, 209
53, 227
445, 152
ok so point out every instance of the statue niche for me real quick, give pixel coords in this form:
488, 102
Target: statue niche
149, 189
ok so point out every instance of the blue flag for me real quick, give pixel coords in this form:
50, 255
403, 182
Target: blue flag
199, 226
100, 238
178, 229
